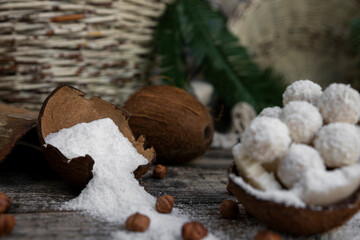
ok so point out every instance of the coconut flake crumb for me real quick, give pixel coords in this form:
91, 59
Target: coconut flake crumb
302, 90
113, 193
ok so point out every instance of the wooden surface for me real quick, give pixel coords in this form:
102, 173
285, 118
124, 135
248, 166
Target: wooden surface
198, 188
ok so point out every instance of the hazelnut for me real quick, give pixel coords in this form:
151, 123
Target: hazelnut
159, 171
5, 202
164, 204
229, 209
7, 223
137, 223
267, 235
193, 231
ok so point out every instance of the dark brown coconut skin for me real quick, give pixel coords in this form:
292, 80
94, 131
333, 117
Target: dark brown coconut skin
176, 124
66, 107
292, 220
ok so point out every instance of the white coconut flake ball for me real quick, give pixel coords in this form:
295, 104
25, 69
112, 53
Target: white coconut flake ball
338, 144
303, 120
339, 103
298, 159
302, 90
266, 139
273, 112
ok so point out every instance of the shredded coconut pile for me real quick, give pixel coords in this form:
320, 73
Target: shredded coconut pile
302, 90
113, 193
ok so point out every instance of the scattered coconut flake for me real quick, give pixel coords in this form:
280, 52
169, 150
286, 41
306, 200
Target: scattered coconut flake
302, 90
349, 231
113, 193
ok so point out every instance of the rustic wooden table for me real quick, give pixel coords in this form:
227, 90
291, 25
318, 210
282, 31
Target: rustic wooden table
198, 187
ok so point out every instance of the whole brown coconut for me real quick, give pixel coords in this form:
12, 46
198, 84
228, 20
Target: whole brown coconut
66, 107
293, 220
177, 125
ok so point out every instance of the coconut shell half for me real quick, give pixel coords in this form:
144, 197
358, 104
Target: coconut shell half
66, 107
292, 220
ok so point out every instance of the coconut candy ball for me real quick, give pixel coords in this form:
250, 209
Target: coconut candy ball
302, 90
338, 144
303, 120
339, 103
273, 112
298, 159
266, 139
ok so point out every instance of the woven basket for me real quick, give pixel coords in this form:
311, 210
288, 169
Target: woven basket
302, 39
100, 46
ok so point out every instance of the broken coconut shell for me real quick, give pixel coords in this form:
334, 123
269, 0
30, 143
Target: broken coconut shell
175, 123
66, 107
14, 124
289, 219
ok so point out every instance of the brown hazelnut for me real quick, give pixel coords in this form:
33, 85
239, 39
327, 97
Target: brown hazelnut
193, 231
164, 204
159, 171
5, 202
137, 223
7, 223
229, 209
267, 235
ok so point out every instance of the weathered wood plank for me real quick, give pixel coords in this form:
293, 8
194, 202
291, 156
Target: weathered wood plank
14, 124
198, 188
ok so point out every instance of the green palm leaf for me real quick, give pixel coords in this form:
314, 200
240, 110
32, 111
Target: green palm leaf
355, 33
225, 63
169, 47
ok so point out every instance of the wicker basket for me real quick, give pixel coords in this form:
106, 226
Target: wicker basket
100, 46
302, 39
